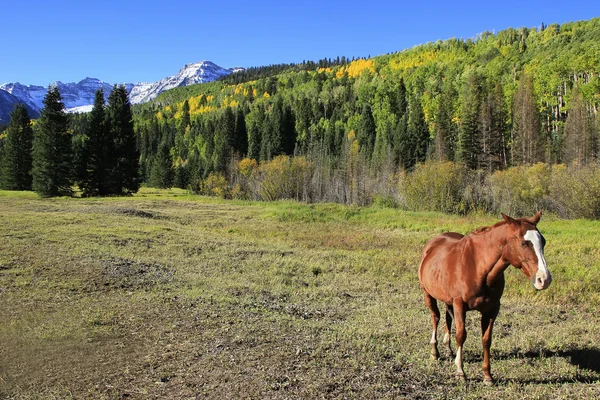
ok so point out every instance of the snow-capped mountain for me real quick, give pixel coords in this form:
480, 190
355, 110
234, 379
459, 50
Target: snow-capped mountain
74, 95
191, 74
30, 95
7, 105
79, 97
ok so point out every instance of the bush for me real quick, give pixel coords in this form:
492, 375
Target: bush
575, 191
283, 177
215, 185
434, 186
521, 190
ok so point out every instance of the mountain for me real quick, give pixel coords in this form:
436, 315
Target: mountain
74, 95
7, 105
79, 97
190, 74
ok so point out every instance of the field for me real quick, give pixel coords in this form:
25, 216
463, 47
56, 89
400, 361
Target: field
168, 295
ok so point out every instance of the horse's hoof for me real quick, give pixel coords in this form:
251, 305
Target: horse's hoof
434, 357
461, 376
488, 382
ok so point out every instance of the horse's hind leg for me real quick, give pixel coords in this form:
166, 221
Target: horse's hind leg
435, 318
449, 318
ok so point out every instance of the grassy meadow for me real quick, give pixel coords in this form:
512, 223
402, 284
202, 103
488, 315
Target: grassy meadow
170, 295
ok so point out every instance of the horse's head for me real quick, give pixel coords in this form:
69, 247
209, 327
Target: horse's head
525, 250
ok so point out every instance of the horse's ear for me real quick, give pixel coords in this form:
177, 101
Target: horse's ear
509, 220
536, 218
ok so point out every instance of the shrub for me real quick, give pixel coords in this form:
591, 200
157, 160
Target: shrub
434, 186
520, 190
575, 191
283, 177
216, 185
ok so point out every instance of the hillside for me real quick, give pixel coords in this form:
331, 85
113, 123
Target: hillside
490, 102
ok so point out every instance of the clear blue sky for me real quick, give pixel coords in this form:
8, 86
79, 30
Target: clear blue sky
130, 40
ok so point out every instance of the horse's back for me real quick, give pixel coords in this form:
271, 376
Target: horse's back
439, 255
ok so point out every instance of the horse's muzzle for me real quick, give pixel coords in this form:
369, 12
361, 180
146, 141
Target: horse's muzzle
541, 280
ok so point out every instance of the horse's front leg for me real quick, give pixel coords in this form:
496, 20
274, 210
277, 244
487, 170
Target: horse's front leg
487, 324
461, 336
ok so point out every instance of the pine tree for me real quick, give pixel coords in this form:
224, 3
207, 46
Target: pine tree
124, 177
469, 140
224, 140
52, 153
367, 132
255, 121
240, 142
97, 152
161, 173
15, 168
417, 144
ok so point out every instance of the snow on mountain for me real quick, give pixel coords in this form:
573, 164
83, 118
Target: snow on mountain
7, 105
32, 95
190, 74
79, 97
73, 94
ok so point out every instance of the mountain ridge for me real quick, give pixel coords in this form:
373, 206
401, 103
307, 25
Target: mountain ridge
79, 96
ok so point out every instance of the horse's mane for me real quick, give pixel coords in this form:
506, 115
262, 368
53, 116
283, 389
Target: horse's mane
484, 229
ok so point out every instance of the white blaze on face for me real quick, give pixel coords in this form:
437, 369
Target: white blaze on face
542, 278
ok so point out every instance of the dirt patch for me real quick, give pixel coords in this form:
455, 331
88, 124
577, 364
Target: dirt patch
134, 212
130, 274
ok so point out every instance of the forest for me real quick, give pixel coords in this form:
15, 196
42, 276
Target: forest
504, 121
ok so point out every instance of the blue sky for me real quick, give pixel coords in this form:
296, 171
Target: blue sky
130, 41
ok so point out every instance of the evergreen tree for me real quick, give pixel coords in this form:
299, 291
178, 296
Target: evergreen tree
97, 151
125, 158
400, 107
367, 132
15, 167
161, 173
240, 142
417, 133
224, 140
254, 123
52, 153
469, 140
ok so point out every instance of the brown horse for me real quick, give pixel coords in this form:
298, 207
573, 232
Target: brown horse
467, 273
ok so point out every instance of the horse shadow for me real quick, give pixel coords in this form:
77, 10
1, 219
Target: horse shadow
586, 358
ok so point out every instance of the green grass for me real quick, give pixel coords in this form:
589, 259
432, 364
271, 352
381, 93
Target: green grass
170, 295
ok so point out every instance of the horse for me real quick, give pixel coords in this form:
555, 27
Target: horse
467, 273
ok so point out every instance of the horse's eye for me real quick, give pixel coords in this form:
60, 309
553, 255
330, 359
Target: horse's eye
524, 243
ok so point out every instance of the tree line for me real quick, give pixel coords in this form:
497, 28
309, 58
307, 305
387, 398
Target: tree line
517, 97
98, 152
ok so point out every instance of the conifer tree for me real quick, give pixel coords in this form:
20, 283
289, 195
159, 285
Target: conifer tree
15, 167
418, 135
367, 132
124, 177
161, 173
224, 140
469, 146
254, 123
97, 151
52, 153
240, 142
